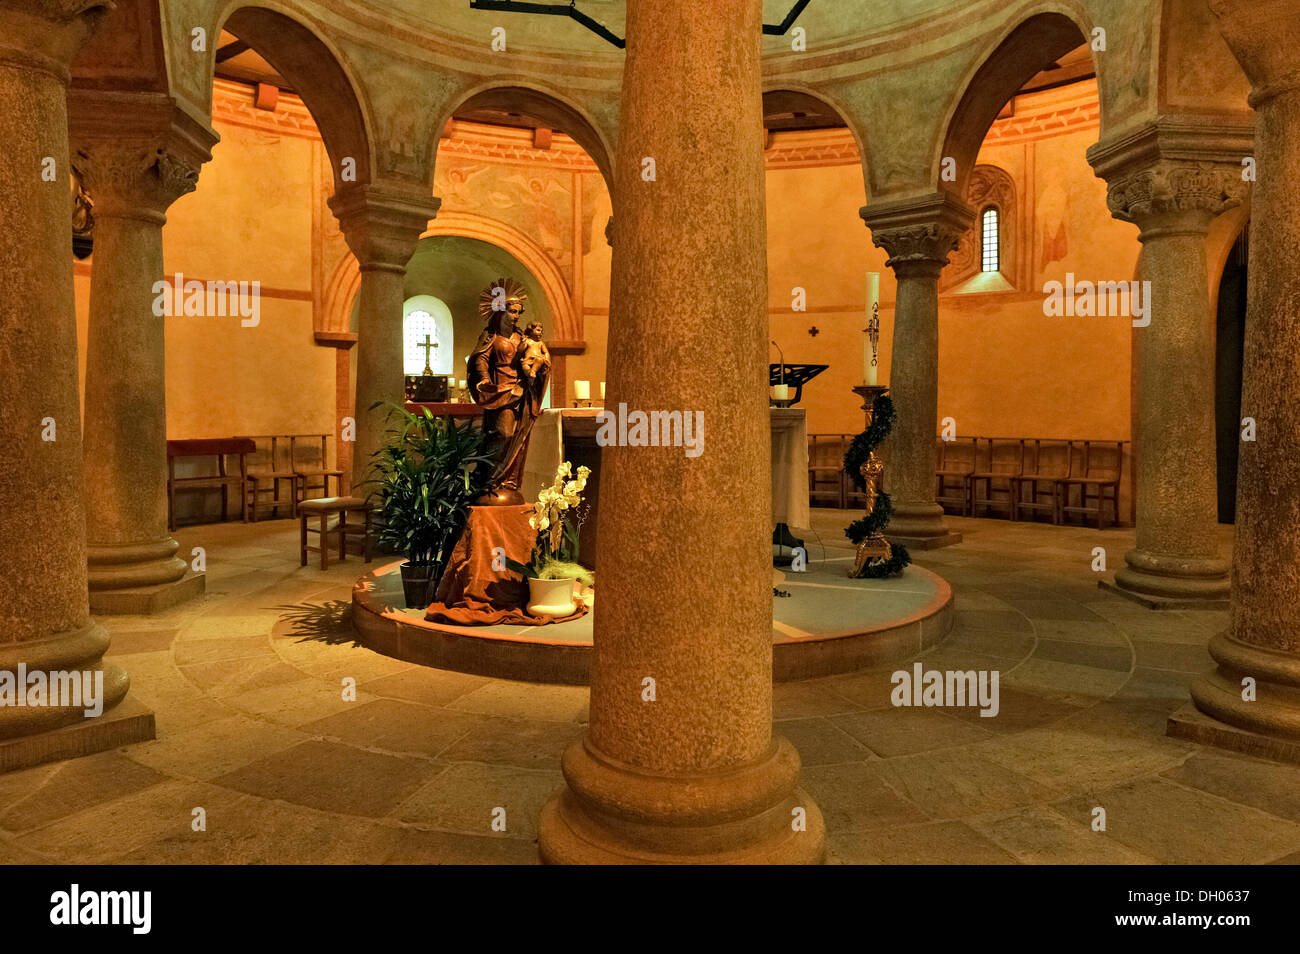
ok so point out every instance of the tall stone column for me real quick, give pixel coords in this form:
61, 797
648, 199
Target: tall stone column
918, 234
137, 155
679, 763
382, 226
1173, 200
1255, 691
45, 623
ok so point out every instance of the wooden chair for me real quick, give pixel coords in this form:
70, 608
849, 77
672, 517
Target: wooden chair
323, 509
954, 464
219, 448
1044, 462
826, 477
998, 461
270, 464
1095, 468
308, 462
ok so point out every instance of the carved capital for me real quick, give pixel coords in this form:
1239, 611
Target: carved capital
1175, 173
134, 179
383, 223
136, 153
1176, 193
919, 234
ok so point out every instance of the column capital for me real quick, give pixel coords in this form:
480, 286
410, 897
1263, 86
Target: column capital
383, 222
136, 153
1261, 35
1175, 175
918, 233
47, 35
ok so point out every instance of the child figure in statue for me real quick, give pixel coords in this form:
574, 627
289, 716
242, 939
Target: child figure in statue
537, 357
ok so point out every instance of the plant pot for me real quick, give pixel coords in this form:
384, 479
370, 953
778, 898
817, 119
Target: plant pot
552, 598
416, 579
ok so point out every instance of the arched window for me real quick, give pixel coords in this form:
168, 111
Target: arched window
990, 257
427, 321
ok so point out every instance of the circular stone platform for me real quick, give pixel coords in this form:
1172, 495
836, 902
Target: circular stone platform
829, 624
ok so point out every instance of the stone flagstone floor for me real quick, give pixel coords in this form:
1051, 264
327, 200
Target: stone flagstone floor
253, 729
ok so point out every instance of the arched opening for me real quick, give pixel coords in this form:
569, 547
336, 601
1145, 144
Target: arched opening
269, 50
1045, 51
1015, 372
1230, 338
428, 336
990, 240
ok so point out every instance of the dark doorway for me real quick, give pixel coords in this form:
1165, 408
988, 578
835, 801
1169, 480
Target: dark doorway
1231, 334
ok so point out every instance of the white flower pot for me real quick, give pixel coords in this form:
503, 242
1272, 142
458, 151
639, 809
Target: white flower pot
551, 597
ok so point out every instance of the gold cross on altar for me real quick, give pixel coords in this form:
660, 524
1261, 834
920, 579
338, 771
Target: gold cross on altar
428, 345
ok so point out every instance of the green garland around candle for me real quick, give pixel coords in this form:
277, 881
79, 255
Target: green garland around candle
882, 422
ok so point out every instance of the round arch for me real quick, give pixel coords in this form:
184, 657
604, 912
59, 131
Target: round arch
323, 78
346, 280
1010, 60
541, 103
850, 121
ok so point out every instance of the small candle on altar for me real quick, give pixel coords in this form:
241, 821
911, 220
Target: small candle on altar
869, 367
582, 390
462, 384
780, 392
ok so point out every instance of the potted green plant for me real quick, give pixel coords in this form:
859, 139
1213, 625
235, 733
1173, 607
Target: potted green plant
428, 472
553, 568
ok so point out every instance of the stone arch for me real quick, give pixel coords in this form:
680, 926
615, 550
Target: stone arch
346, 280
1011, 60
324, 79
539, 102
850, 120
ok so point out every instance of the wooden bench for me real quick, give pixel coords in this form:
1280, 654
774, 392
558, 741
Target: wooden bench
1044, 463
220, 448
1095, 469
268, 466
997, 462
826, 477
954, 464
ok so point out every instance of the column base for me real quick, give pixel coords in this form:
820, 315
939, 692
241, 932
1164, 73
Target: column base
125, 724
1162, 582
920, 527
1193, 725
139, 578
611, 814
1270, 721
147, 600
73, 653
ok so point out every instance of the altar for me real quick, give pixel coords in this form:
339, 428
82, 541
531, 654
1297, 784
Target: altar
569, 433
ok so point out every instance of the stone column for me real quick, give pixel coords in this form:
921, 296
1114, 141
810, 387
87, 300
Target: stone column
1263, 641
137, 155
45, 623
382, 226
918, 234
679, 763
1173, 200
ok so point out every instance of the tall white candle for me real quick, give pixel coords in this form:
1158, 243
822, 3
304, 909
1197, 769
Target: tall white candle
582, 390
602, 390
870, 371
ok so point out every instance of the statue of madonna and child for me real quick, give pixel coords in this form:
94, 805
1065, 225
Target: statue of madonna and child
508, 371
